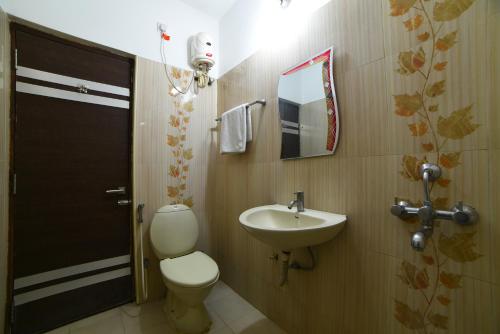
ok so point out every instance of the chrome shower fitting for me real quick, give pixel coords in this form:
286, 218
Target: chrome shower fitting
460, 213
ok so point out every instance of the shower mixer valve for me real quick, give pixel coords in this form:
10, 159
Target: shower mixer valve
461, 214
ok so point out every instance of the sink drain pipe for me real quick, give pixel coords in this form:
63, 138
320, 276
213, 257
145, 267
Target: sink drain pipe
285, 265
296, 265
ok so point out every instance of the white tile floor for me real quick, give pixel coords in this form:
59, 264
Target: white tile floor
229, 312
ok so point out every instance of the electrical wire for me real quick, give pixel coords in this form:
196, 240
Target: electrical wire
164, 62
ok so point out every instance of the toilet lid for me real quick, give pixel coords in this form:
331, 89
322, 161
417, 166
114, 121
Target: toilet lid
195, 269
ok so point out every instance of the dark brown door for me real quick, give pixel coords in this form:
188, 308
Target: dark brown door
71, 216
290, 129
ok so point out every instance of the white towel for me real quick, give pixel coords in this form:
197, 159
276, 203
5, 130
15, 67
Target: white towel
233, 133
249, 123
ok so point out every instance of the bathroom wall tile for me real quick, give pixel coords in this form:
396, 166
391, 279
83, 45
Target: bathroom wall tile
398, 38
287, 311
261, 78
390, 235
471, 308
496, 307
355, 283
470, 183
367, 126
369, 298
327, 284
465, 76
370, 302
265, 122
361, 26
493, 7
495, 214
152, 157
260, 185
493, 53
258, 287
236, 202
285, 181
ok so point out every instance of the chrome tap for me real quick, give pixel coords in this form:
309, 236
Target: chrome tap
298, 201
426, 213
460, 213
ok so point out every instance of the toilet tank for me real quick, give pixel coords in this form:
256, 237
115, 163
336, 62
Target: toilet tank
173, 231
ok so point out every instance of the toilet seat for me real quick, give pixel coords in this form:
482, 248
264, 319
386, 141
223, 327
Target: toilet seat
192, 270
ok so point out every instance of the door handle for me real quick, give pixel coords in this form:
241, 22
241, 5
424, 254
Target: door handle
117, 191
124, 202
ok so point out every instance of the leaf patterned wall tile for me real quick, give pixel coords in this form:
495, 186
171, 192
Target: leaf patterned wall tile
378, 158
179, 124
459, 247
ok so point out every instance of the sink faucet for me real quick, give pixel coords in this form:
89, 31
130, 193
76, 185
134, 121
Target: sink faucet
298, 201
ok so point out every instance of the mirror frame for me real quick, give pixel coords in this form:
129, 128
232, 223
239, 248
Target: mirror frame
326, 57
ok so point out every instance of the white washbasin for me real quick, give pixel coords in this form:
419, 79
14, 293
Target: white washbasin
286, 229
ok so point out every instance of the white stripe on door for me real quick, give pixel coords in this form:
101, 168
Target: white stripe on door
23, 282
290, 131
24, 87
55, 289
70, 81
288, 123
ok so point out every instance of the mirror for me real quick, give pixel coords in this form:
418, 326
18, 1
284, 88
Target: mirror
308, 108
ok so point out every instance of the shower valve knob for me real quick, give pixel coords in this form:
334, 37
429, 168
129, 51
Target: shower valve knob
464, 214
398, 209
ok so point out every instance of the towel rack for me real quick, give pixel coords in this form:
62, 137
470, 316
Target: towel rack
262, 102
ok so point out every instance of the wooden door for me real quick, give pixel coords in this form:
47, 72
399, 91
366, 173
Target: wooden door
71, 218
290, 129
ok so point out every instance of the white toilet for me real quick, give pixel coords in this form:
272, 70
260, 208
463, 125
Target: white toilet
189, 275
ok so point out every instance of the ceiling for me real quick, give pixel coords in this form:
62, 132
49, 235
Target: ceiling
214, 8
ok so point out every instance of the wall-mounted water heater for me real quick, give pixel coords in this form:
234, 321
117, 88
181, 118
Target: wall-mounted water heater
202, 57
202, 50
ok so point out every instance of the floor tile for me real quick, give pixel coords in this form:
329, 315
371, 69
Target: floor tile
230, 314
99, 318
144, 317
231, 309
159, 329
219, 291
246, 321
111, 325
223, 330
60, 330
217, 322
264, 326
